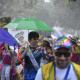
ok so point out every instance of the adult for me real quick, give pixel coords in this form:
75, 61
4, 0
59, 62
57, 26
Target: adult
63, 69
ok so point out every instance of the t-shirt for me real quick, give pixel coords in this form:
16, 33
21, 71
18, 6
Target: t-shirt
59, 74
37, 55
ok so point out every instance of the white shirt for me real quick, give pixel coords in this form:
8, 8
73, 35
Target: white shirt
39, 75
59, 74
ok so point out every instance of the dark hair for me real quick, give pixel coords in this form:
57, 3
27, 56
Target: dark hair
33, 35
46, 43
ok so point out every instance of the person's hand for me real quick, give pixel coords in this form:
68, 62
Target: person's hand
27, 49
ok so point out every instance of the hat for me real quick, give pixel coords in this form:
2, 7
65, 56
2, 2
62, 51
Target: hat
63, 50
61, 47
62, 41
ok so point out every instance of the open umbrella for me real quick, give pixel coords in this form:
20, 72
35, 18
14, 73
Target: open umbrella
6, 37
28, 24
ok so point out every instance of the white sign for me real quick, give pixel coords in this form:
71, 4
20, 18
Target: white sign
20, 35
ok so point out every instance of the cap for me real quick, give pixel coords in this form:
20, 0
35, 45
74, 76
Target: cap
61, 47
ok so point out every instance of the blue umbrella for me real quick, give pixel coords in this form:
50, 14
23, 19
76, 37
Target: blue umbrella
6, 37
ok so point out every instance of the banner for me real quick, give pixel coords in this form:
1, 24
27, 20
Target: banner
20, 35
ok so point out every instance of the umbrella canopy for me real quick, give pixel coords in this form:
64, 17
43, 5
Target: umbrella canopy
28, 24
6, 37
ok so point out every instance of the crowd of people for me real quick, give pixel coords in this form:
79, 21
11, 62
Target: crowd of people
39, 60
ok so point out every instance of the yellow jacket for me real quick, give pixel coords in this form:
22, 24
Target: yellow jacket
48, 71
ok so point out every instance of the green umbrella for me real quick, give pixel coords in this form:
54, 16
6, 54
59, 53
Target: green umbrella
28, 24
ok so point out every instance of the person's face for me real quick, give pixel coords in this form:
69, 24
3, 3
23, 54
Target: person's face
34, 42
49, 51
62, 60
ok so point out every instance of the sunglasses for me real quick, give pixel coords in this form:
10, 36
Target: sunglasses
65, 54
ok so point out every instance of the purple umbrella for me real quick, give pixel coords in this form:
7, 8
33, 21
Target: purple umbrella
6, 37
